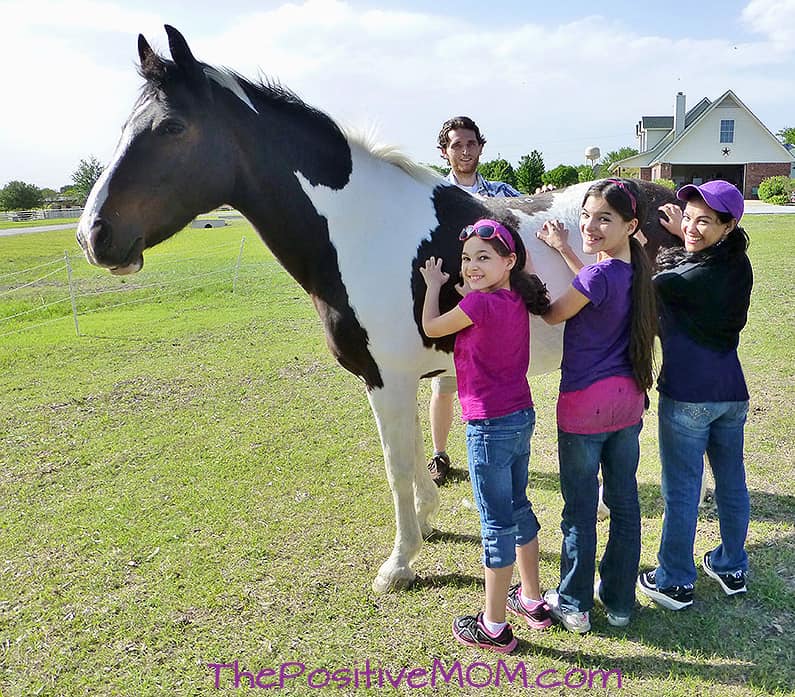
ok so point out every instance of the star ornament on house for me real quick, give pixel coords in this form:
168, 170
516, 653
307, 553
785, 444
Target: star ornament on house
727, 152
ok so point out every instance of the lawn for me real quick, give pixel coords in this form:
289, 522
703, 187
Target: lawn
192, 484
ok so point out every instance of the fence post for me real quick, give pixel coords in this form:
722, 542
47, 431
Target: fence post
237, 265
71, 291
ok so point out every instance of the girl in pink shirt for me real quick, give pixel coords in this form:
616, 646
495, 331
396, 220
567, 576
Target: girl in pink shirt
491, 357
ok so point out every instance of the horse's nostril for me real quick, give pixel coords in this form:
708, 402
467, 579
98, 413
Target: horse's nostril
99, 235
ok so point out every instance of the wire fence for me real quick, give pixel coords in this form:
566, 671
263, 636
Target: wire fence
66, 286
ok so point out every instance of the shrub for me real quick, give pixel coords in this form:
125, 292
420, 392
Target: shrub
778, 188
562, 175
667, 183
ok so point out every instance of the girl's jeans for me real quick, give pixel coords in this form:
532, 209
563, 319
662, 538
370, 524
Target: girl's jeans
686, 431
579, 457
499, 455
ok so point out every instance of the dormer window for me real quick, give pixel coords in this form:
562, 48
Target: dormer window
727, 130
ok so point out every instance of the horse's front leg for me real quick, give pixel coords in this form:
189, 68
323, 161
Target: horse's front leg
395, 409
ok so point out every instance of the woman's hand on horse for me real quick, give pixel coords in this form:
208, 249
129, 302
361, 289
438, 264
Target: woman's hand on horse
672, 219
554, 234
433, 274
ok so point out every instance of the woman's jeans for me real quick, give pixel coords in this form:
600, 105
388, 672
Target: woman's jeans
579, 456
686, 431
499, 454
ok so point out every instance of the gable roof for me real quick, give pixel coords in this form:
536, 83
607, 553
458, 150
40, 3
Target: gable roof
699, 113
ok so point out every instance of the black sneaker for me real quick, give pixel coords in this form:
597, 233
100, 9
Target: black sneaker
439, 466
673, 597
731, 583
469, 630
537, 617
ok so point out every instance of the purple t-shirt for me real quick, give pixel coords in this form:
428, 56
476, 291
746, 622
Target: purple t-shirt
596, 339
492, 355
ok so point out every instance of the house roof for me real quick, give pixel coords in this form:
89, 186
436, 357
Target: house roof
649, 122
695, 115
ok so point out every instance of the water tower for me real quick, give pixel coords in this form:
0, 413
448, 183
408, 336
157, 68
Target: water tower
592, 154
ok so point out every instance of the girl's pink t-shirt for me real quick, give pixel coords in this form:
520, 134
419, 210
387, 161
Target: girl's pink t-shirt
492, 355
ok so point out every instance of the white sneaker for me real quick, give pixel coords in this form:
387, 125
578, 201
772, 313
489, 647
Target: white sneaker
577, 622
613, 618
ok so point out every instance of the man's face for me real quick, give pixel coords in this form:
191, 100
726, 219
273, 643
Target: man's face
463, 151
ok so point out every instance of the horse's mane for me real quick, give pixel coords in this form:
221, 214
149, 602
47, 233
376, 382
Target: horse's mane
273, 92
368, 140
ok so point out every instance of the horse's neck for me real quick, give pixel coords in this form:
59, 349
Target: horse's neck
383, 212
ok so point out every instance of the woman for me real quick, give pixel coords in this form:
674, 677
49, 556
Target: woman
703, 292
605, 372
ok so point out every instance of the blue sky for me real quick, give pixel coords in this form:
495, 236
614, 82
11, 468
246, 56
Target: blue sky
556, 77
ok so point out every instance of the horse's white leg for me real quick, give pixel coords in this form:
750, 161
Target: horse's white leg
395, 409
426, 493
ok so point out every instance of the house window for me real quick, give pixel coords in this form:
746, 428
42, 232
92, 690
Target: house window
727, 130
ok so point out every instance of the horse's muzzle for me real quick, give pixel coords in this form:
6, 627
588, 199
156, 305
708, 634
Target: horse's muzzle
96, 239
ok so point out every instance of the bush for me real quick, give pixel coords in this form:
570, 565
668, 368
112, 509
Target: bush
778, 188
667, 183
562, 175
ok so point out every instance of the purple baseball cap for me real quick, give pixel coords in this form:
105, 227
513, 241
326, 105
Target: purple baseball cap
718, 195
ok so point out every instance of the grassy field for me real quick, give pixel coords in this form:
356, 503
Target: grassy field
8, 225
193, 481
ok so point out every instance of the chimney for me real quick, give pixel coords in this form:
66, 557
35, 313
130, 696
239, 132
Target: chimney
679, 115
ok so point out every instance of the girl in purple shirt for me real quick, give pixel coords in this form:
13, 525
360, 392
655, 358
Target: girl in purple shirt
606, 370
491, 357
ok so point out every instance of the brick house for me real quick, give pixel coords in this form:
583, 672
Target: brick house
713, 140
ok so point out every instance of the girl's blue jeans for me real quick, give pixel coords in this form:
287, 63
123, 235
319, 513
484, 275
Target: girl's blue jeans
499, 456
579, 457
686, 431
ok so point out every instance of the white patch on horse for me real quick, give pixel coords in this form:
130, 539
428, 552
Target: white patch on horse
230, 82
99, 192
355, 215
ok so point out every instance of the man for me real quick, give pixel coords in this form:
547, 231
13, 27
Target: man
461, 144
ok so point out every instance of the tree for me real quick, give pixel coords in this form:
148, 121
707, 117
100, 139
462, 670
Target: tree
562, 175
498, 170
587, 173
85, 176
787, 135
19, 196
529, 172
615, 156
444, 171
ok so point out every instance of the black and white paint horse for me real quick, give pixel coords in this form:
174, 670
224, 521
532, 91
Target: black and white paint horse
351, 222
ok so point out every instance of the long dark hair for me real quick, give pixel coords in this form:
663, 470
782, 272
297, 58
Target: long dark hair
736, 242
628, 200
531, 289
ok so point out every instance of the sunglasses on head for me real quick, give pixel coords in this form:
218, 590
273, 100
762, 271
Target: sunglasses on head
487, 232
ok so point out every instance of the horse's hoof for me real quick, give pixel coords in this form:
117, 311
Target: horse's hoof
382, 584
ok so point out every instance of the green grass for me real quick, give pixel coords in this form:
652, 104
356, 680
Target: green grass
193, 480
9, 225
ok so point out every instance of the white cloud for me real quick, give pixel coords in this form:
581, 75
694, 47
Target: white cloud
530, 84
774, 18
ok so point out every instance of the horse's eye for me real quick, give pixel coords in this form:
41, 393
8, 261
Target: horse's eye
171, 128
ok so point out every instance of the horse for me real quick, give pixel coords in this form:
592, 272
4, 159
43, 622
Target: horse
351, 221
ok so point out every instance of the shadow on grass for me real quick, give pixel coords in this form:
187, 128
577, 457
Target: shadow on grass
448, 581
441, 536
744, 639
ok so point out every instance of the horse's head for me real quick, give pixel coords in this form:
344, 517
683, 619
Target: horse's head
172, 162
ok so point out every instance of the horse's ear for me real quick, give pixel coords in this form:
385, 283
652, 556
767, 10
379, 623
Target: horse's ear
152, 66
180, 51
